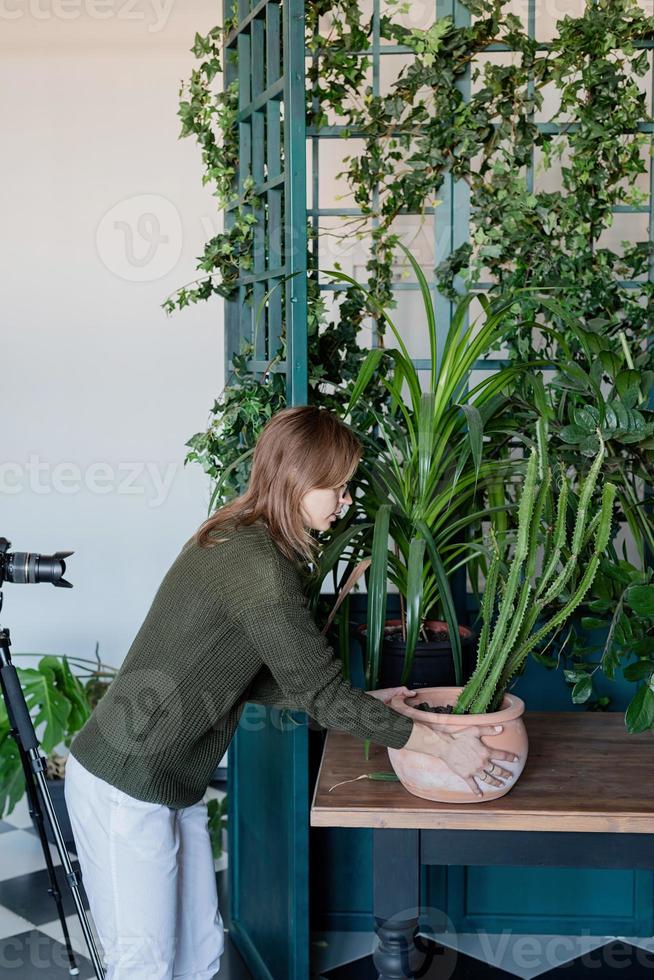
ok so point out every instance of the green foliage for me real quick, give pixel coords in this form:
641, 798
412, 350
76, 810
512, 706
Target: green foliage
605, 389
525, 598
208, 113
237, 416
59, 702
217, 814
616, 634
423, 480
55, 698
424, 130
415, 136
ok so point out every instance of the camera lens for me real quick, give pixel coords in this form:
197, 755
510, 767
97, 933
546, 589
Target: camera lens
23, 568
27, 568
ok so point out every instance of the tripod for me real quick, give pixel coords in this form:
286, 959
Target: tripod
22, 731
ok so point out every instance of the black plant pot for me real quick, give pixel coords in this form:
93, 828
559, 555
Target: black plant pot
56, 789
433, 663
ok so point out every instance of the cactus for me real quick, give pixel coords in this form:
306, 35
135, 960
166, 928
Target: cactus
504, 644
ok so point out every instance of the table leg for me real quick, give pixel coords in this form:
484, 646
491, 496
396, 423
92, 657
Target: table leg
396, 902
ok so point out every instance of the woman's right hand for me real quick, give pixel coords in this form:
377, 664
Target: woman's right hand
463, 751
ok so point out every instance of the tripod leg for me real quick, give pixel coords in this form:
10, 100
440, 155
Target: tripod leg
71, 877
22, 730
36, 812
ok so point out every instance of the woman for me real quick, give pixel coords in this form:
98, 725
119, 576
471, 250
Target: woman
229, 624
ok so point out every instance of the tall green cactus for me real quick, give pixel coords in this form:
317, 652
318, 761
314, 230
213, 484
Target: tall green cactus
505, 642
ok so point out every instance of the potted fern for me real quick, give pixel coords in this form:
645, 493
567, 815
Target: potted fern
518, 613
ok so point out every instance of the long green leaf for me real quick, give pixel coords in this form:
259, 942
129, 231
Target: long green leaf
377, 592
447, 601
414, 594
407, 363
429, 313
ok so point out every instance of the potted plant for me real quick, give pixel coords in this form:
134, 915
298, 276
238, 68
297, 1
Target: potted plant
616, 625
517, 598
59, 702
423, 483
63, 700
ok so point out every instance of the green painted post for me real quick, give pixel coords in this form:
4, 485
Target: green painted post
257, 117
268, 791
295, 194
245, 149
274, 167
231, 337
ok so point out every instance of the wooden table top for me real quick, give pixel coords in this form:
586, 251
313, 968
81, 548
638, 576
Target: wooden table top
583, 773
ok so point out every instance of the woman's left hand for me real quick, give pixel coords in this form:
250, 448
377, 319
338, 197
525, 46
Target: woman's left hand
385, 694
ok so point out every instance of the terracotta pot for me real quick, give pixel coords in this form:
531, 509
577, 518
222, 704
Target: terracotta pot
433, 664
430, 778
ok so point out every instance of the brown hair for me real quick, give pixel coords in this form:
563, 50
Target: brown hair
300, 448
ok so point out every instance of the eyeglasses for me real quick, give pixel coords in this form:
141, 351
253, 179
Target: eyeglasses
343, 491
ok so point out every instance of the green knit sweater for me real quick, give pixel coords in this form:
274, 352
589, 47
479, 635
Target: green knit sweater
229, 624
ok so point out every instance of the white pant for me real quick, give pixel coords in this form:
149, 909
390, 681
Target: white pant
149, 876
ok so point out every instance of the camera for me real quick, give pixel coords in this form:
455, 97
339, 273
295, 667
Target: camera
29, 567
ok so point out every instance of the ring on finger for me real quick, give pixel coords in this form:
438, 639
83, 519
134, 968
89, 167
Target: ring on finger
484, 775
491, 770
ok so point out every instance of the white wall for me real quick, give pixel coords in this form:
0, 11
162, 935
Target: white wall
93, 372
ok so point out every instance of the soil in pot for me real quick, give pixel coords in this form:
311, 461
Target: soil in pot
442, 709
433, 664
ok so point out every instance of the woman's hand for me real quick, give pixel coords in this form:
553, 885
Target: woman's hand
463, 751
385, 694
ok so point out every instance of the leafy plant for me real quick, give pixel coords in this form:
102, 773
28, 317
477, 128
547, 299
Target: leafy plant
621, 614
209, 114
236, 419
424, 129
424, 476
605, 389
217, 813
514, 604
59, 702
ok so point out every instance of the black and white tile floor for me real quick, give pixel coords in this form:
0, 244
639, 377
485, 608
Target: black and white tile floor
31, 938
484, 956
31, 946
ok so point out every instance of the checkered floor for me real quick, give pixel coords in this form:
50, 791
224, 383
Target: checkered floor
31, 938
484, 956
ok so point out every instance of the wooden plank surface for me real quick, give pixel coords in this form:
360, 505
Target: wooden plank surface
583, 773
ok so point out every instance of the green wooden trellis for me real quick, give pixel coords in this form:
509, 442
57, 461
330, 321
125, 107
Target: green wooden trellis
455, 207
270, 101
451, 219
265, 53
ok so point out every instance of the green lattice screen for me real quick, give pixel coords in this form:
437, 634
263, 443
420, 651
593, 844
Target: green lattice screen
450, 221
269, 59
265, 52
